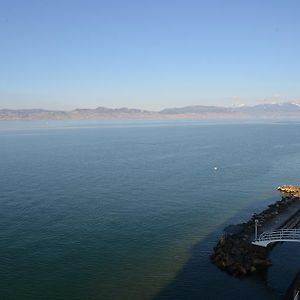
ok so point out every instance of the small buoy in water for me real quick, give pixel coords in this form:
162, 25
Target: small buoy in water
215, 168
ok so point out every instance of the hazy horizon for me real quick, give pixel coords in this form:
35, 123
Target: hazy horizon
150, 110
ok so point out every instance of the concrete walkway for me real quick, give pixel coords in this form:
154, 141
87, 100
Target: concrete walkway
289, 218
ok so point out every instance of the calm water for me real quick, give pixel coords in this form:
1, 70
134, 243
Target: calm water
132, 209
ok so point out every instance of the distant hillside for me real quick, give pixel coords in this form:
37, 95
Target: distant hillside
271, 108
195, 109
260, 109
31, 114
98, 113
290, 109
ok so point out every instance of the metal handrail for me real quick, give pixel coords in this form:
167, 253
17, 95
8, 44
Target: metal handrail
282, 234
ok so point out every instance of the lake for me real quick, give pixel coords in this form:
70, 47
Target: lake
132, 209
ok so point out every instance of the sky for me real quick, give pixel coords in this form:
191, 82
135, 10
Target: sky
148, 54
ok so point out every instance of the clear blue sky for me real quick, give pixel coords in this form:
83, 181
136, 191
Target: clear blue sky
148, 53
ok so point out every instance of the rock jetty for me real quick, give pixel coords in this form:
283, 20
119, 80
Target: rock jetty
235, 253
290, 190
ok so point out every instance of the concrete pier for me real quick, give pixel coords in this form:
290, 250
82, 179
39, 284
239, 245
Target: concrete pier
234, 251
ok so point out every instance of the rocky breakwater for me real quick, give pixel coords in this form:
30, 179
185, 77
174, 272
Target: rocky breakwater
289, 190
234, 252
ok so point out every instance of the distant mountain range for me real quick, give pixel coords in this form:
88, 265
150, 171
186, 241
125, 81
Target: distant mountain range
289, 109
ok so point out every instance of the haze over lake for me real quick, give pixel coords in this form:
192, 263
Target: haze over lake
132, 209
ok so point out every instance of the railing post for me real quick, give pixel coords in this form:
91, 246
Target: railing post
255, 233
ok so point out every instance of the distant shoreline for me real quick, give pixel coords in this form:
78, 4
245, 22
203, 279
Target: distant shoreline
283, 110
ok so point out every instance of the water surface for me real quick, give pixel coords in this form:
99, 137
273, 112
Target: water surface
132, 209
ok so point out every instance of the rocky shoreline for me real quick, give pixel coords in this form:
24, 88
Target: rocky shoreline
234, 252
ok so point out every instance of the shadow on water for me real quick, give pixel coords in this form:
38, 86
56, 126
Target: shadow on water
200, 279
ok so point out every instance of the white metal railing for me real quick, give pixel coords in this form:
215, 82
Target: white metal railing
282, 235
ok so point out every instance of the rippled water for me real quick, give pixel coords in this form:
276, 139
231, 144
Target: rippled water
132, 209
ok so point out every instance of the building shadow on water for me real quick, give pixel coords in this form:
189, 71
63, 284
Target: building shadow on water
200, 279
